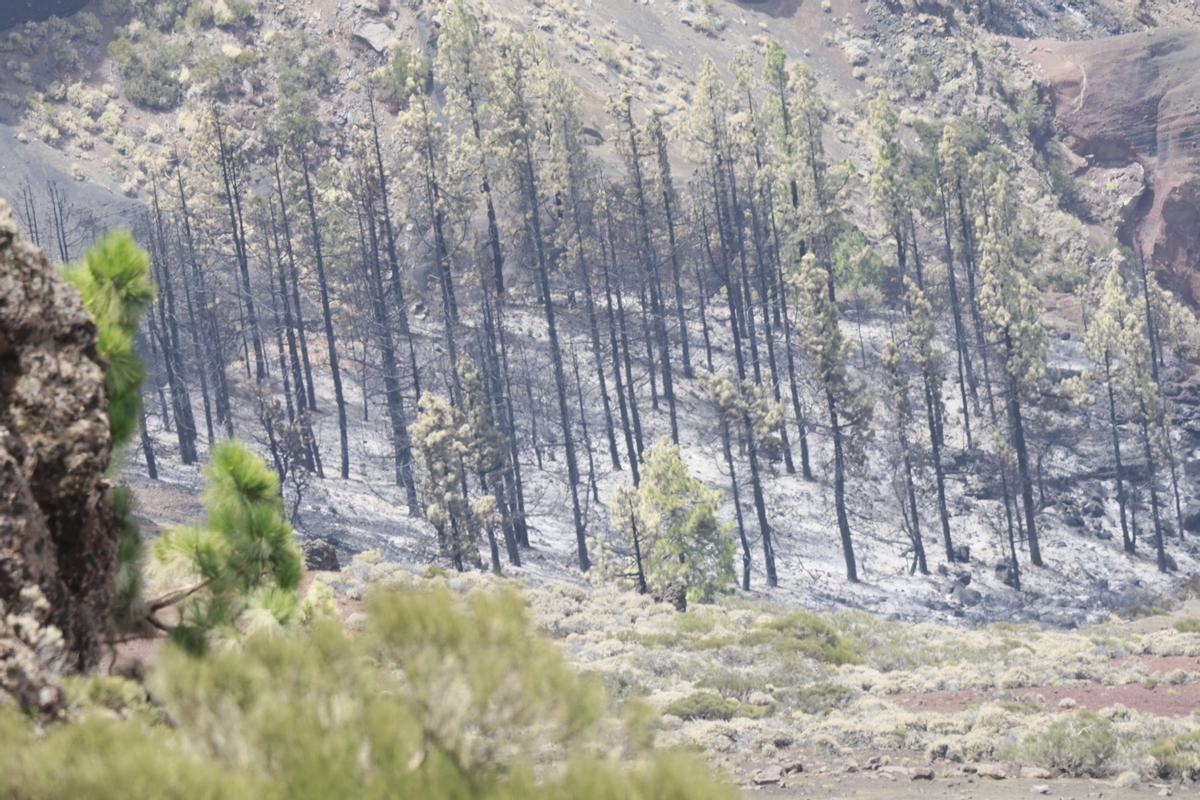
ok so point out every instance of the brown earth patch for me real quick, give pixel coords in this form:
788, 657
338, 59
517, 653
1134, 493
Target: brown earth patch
1161, 665
1163, 701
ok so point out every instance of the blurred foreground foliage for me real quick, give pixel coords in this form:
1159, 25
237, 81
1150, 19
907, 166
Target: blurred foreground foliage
435, 698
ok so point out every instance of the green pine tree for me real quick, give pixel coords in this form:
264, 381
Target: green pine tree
896, 375
670, 521
237, 571
450, 442
1011, 309
1102, 341
1136, 380
114, 282
848, 402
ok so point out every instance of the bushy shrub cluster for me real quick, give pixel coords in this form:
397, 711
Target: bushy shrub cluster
1082, 744
1177, 756
435, 698
149, 68
807, 634
709, 705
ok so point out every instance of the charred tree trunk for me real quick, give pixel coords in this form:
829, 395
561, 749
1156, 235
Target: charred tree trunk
327, 314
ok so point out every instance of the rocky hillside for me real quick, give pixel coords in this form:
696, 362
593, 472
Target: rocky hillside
1091, 104
1128, 105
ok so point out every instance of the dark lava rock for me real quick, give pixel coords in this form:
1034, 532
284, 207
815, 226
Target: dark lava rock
320, 555
58, 536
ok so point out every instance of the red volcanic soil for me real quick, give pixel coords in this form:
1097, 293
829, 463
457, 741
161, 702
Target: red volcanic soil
1163, 700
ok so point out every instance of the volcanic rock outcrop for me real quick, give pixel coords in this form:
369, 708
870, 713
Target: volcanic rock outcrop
57, 537
1135, 99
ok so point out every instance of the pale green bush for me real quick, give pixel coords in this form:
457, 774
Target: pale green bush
1177, 756
435, 699
709, 705
1083, 744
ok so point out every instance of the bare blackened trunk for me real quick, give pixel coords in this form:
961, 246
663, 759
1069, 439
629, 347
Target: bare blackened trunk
966, 377
197, 335
389, 239
164, 411
1014, 564
933, 413
839, 489
668, 201
968, 236
745, 302
1126, 539
519, 525
635, 534
560, 386
1018, 435
433, 203
1156, 358
654, 277
295, 289
727, 450
626, 359
793, 372
914, 515
630, 446
208, 318
585, 280
583, 427
733, 297
703, 286
401, 443
238, 228
147, 445
311, 457
277, 320
330, 341
1160, 547
31, 217
768, 332
494, 390
185, 422
647, 338
532, 209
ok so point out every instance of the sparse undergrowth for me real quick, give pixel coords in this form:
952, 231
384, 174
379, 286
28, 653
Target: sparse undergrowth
743, 680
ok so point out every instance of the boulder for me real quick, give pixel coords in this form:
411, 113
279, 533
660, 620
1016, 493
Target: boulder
1006, 574
768, 776
1191, 517
674, 594
995, 772
375, 34
58, 537
320, 555
966, 595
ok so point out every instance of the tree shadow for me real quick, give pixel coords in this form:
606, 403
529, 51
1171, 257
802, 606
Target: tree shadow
773, 8
17, 12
